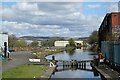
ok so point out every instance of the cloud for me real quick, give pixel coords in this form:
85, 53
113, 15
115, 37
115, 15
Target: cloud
50, 19
113, 7
24, 6
94, 6
38, 30
60, 0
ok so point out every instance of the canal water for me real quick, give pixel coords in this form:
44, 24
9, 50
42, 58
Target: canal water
66, 72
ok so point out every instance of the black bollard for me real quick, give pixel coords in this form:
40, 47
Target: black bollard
5, 49
53, 57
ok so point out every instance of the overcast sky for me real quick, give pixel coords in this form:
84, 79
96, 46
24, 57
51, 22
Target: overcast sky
61, 19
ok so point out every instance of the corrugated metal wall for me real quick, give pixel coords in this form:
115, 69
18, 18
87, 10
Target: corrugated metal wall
117, 53
111, 50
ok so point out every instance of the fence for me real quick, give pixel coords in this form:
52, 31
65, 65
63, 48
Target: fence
111, 51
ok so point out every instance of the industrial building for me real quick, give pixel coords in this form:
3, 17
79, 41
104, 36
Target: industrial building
109, 38
64, 43
110, 28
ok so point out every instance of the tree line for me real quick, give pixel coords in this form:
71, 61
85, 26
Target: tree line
93, 41
13, 41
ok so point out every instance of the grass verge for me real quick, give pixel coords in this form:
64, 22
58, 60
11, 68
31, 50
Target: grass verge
25, 71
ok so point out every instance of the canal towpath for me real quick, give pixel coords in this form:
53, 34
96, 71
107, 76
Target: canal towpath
107, 72
17, 59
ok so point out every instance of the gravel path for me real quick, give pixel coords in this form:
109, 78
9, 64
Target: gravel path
18, 58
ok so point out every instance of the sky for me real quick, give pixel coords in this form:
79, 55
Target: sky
53, 19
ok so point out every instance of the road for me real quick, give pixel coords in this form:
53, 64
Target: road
18, 58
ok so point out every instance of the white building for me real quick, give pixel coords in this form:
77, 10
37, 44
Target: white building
79, 42
3, 39
30, 41
64, 43
61, 43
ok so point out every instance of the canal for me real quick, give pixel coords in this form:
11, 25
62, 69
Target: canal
75, 72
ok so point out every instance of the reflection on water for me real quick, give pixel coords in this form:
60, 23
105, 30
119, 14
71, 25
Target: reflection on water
77, 55
70, 51
74, 72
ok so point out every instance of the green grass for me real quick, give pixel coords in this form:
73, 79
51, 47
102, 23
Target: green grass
25, 71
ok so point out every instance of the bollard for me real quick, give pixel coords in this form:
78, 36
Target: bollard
5, 49
53, 57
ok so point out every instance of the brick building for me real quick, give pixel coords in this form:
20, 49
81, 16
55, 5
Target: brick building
110, 28
109, 39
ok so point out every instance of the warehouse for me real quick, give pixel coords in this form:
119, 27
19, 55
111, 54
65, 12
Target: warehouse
64, 43
110, 28
109, 38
